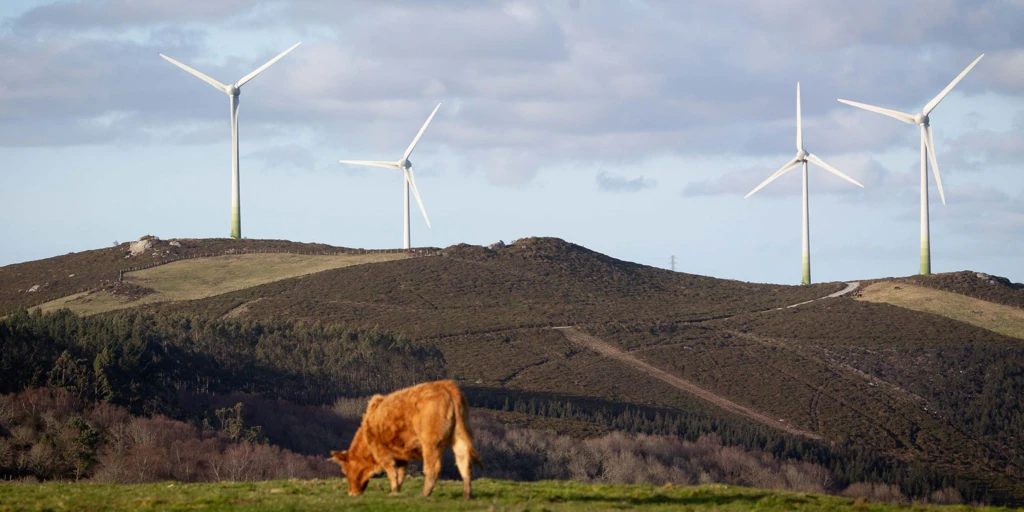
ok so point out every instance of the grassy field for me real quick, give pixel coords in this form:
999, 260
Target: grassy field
1006, 320
61, 276
490, 495
205, 277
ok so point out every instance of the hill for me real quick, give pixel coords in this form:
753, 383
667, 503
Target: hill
532, 283
30, 284
1001, 318
197, 278
867, 390
975, 284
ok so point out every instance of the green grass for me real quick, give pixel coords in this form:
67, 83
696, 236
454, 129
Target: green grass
490, 495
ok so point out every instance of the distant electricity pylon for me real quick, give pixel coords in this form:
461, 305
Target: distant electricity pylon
672, 261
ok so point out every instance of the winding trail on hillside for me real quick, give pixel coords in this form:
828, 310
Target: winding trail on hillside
851, 286
601, 347
606, 349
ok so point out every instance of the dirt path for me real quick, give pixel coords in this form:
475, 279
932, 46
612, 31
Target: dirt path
849, 288
597, 345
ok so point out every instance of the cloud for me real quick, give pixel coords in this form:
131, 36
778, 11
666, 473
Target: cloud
978, 210
1006, 70
620, 184
523, 82
983, 148
64, 16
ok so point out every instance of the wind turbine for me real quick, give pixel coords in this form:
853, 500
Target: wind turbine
233, 91
927, 151
802, 157
409, 180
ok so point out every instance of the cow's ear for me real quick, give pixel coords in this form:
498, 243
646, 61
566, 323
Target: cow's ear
339, 457
375, 400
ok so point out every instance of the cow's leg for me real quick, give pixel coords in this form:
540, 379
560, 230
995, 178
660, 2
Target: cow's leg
464, 462
400, 468
431, 468
393, 478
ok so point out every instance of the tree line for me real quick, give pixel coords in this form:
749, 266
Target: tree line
144, 361
848, 461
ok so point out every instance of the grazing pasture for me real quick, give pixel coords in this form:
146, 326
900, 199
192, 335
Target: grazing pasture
330, 494
205, 277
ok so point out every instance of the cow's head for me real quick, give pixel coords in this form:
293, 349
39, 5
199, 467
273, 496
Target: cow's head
356, 471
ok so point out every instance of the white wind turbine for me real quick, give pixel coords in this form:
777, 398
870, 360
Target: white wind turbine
802, 157
927, 151
233, 91
408, 180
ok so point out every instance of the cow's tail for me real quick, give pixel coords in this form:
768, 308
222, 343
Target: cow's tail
462, 430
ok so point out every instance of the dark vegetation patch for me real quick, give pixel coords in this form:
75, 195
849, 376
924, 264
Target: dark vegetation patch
144, 361
130, 291
536, 282
969, 380
848, 461
785, 380
77, 272
50, 433
975, 284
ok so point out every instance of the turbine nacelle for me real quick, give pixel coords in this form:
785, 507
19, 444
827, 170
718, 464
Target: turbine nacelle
233, 90
921, 119
405, 163
801, 156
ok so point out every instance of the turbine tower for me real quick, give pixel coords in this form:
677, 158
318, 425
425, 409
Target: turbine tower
233, 91
802, 157
408, 179
927, 152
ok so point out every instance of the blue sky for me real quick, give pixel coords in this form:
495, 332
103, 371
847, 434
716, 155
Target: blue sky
633, 128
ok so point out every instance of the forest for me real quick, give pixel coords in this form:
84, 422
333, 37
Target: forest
90, 397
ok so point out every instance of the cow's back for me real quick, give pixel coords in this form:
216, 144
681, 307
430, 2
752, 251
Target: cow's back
403, 421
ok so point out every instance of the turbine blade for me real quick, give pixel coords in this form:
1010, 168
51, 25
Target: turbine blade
219, 86
412, 146
789, 165
416, 193
895, 114
799, 122
821, 163
375, 163
930, 142
935, 101
260, 69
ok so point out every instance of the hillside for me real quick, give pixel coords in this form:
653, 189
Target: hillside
1001, 318
29, 284
868, 390
975, 284
197, 278
534, 283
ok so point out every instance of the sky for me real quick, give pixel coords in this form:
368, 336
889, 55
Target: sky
630, 127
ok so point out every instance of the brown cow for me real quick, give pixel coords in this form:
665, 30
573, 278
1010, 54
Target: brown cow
417, 423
